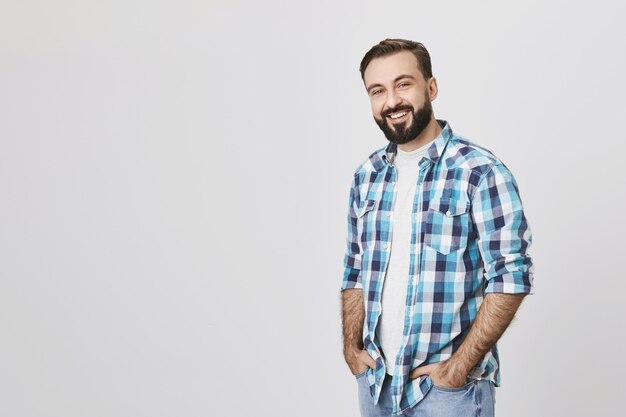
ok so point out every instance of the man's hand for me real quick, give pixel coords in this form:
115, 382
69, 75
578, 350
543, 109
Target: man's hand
359, 360
443, 374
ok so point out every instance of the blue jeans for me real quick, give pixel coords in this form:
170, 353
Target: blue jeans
475, 399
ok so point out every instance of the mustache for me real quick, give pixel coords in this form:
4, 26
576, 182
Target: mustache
397, 109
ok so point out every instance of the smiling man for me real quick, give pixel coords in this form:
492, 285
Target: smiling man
437, 258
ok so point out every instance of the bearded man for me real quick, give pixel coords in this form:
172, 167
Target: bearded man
437, 258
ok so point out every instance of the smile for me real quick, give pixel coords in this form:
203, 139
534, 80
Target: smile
398, 116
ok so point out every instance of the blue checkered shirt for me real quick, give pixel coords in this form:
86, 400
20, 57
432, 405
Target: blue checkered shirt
470, 237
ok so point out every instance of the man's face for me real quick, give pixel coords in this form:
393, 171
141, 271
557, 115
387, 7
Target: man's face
399, 95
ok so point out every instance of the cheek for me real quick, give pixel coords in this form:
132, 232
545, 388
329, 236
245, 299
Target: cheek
414, 100
376, 108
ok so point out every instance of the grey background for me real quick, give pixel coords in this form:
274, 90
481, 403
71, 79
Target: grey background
174, 181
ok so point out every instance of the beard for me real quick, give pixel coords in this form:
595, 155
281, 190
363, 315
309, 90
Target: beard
398, 133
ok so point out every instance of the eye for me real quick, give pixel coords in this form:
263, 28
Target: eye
376, 92
402, 85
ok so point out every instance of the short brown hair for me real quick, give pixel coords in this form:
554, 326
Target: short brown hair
391, 46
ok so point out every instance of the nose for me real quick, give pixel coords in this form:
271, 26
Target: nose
392, 100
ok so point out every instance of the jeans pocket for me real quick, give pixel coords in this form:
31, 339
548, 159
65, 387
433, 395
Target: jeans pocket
461, 401
454, 389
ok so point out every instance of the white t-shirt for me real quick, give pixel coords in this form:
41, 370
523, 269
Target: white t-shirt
393, 299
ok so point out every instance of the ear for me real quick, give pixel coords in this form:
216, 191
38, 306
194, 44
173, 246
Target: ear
433, 90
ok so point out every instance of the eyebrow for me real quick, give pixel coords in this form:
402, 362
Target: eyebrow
398, 78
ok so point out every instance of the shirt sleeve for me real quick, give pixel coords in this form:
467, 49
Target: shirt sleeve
352, 258
504, 235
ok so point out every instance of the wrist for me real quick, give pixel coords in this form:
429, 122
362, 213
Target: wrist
351, 351
458, 366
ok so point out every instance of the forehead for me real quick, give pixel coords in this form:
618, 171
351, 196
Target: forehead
385, 69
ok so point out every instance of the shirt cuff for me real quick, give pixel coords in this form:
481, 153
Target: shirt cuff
511, 283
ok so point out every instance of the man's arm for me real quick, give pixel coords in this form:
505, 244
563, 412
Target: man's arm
494, 316
503, 238
353, 314
352, 307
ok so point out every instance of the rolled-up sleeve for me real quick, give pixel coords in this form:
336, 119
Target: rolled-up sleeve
503, 233
352, 258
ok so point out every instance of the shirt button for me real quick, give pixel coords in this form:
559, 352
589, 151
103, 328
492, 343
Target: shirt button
385, 246
448, 213
388, 214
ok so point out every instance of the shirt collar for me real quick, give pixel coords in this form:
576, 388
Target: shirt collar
433, 152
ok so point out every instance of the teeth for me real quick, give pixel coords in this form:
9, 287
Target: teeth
397, 115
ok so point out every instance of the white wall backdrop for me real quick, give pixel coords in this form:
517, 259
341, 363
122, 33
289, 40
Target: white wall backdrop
174, 180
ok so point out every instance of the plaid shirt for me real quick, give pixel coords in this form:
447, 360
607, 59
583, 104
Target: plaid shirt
469, 237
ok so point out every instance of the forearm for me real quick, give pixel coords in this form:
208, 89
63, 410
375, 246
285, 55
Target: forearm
353, 313
494, 316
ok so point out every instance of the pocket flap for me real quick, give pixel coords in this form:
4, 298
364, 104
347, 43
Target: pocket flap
365, 207
450, 206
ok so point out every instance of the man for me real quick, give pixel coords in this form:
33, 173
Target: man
437, 255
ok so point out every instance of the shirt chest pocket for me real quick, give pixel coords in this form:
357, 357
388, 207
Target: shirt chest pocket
366, 222
447, 225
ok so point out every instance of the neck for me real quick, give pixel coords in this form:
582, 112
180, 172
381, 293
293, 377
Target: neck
430, 132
